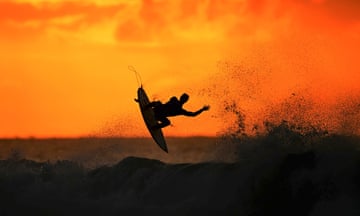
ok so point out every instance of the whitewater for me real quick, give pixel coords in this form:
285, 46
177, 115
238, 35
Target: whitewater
284, 172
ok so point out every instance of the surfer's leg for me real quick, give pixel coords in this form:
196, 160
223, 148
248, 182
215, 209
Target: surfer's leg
164, 122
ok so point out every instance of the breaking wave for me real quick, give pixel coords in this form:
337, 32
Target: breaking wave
287, 171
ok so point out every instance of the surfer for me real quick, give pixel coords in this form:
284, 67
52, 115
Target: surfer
173, 107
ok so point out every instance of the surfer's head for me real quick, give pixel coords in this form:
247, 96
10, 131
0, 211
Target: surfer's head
183, 98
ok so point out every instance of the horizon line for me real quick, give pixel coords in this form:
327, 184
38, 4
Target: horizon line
99, 137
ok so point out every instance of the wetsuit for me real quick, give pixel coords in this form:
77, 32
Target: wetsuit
172, 108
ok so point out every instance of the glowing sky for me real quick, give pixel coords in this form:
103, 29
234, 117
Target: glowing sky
64, 64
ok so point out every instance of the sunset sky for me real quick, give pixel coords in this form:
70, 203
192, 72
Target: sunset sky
64, 64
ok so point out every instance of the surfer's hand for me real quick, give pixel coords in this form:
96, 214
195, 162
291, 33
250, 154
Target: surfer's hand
206, 107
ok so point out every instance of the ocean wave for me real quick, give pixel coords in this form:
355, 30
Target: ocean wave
270, 177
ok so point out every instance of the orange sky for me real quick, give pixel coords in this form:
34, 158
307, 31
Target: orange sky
64, 64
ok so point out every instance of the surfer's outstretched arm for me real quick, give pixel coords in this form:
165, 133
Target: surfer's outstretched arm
193, 114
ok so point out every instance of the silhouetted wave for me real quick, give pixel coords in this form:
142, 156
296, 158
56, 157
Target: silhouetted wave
285, 172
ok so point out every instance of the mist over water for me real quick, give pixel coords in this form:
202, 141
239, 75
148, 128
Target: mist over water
282, 150
251, 93
297, 153
287, 170
293, 154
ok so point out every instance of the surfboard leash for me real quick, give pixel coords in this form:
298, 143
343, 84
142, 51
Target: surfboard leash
137, 75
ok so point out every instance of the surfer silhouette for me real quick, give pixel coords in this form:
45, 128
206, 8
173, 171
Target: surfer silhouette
173, 107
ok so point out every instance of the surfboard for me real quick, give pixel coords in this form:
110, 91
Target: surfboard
149, 119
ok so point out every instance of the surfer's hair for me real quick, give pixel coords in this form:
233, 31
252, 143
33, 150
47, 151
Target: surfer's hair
184, 97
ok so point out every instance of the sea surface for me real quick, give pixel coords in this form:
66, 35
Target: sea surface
283, 172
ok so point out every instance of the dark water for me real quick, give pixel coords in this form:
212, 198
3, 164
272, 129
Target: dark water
284, 172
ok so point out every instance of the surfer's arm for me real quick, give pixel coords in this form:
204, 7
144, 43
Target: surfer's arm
192, 114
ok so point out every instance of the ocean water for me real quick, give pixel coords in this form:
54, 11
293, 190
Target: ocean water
285, 171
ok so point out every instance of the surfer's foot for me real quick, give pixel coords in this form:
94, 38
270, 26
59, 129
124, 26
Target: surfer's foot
158, 126
155, 127
163, 124
148, 106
